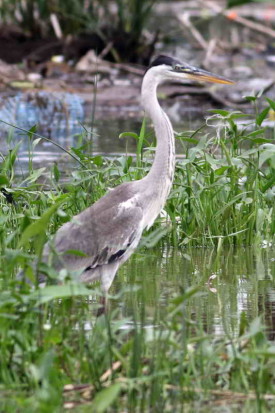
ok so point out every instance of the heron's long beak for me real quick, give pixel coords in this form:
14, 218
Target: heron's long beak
204, 76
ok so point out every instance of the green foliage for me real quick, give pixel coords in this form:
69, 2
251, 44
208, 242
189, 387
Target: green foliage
122, 363
235, 3
223, 194
223, 188
124, 19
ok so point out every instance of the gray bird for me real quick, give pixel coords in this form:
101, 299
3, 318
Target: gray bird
108, 232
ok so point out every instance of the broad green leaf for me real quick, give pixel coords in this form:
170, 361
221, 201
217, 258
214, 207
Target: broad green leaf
221, 112
212, 161
4, 180
261, 117
51, 292
32, 130
56, 172
105, 398
38, 228
35, 175
238, 115
221, 170
250, 98
97, 160
41, 370
227, 205
271, 103
10, 158
269, 352
248, 153
269, 183
153, 237
262, 140
128, 135
189, 140
255, 133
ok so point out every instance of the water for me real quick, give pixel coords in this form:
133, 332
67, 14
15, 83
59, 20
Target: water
232, 284
65, 119
54, 114
243, 281
242, 285
103, 137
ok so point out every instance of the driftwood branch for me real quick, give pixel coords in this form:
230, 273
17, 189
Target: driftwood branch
186, 21
232, 15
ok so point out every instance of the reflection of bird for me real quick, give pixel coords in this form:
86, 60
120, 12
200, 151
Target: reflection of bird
108, 232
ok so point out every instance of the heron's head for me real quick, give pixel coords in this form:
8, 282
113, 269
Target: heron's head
168, 68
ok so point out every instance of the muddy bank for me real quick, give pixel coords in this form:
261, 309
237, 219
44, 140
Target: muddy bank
107, 89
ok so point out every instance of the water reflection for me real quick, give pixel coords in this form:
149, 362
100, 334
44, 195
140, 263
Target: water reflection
56, 115
244, 283
103, 139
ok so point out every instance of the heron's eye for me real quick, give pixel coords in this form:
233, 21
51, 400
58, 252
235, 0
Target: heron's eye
177, 67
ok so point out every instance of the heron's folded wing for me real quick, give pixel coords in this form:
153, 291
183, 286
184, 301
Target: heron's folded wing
101, 236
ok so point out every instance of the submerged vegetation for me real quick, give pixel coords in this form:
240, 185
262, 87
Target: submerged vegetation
223, 194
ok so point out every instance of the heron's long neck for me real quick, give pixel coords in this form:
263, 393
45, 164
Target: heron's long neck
160, 178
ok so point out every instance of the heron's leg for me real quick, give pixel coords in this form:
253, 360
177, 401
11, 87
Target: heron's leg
108, 273
102, 309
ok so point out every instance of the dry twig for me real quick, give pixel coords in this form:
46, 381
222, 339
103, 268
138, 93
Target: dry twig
185, 19
232, 15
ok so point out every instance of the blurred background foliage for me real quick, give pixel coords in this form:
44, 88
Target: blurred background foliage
120, 22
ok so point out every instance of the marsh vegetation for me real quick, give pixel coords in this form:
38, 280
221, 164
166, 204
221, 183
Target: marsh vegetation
185, 326
191, 319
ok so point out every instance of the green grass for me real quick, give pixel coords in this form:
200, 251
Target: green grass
223, 194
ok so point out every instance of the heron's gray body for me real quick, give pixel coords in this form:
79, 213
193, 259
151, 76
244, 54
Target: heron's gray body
108, 232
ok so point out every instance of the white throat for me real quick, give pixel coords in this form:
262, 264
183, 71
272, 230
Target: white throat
159, 180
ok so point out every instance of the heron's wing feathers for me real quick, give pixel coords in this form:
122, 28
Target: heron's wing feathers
102, 234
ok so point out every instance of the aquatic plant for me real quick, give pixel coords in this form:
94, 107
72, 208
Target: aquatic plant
223, 190
50, 359
55, 353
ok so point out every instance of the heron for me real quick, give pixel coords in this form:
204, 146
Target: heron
109, 231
